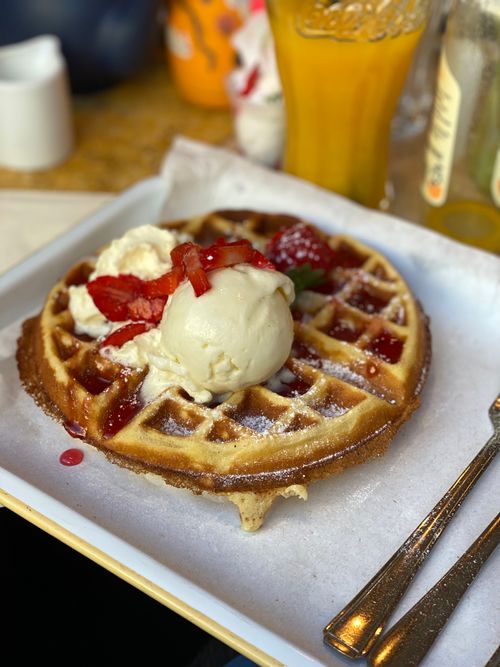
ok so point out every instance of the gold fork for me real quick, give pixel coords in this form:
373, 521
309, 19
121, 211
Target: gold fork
408, 642
355, 629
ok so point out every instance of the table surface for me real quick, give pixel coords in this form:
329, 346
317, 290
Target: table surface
122, 134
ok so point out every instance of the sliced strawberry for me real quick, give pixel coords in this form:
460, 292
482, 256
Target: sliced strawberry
122, 297
297, 245
194, 270
261, 261
165, 284
112, 294
150, 310
177, 253
220, 255
124, 334
126, 297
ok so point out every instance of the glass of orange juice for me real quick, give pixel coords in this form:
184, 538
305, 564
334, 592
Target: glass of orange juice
342, 66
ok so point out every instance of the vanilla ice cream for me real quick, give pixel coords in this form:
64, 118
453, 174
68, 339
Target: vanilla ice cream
143, 251
235, 335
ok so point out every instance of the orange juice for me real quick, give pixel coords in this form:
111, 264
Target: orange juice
341, 93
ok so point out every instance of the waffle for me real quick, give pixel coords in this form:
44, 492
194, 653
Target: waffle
359, 359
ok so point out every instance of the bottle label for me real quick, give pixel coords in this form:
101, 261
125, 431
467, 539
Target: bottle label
495, 180
441, 140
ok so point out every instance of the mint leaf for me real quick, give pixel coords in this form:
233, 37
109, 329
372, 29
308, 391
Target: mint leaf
305, 277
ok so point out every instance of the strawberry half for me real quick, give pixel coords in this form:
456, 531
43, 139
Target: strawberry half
297, 245
124, 334
122, 297
112, 294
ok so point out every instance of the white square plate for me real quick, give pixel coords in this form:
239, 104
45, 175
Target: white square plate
269, 594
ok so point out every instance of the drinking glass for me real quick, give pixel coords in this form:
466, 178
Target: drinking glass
343, 65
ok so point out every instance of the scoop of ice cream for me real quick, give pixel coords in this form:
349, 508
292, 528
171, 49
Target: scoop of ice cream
237, 334
143, 251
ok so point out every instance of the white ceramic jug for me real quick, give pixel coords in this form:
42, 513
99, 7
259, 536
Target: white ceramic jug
36, 129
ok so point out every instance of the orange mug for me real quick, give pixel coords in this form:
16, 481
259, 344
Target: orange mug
199, 49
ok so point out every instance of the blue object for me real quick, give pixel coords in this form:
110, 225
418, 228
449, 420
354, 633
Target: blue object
103, 41
240, 661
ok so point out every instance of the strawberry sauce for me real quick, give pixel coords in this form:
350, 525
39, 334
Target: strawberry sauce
387, 347
71, 457
120, 415
342, 331
347, 257
368, 300
93, 382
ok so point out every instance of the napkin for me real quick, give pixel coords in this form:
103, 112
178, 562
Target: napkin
277, 588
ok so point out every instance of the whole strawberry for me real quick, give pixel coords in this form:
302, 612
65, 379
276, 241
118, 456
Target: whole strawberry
298, 245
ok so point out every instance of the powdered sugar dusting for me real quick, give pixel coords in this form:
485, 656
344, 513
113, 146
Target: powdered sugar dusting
259, 423
344, 373
330, 410
173, 427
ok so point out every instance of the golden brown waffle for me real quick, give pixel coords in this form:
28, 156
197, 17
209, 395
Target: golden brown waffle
360, 356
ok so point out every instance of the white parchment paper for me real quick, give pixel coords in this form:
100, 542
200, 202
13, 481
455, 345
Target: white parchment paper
277, 588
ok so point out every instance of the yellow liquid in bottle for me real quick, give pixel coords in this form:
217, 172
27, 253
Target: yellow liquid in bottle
471, 222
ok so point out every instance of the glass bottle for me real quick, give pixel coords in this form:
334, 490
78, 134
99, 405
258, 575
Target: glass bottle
461, 185
199, 50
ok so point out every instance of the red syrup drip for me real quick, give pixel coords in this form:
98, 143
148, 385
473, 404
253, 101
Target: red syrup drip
120, 415
71, 457
93, 383
342, 331
347, 258
387, 347
368, 301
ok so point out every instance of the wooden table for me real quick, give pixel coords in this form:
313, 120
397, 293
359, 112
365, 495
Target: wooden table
122, 134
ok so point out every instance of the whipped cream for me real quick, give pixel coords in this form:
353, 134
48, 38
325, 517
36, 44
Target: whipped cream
237, 334
144, 252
